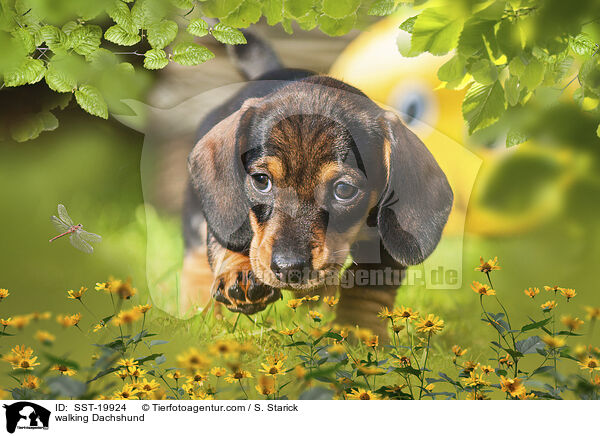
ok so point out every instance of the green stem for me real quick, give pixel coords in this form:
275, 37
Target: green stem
424, 365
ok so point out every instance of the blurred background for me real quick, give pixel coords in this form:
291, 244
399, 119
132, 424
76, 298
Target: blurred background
535, 205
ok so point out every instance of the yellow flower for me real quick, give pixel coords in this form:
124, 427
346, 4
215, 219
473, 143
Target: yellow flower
476, 395
430, 387
486, 369
22, 358
31, 382
37, 316
136, 371
526, 396
20, 321
549, 305
363, 334
22, 352
567, 293
127, 363
405, 313
122, 374
299, 372
237, 375
99, 326
532, 292
403, 362
553, 341
514, 387
26, 363
3, 293
272, 369
147, 386
482, 289
217, 371
69, 320
331, 300
44, 337
192, 360
76, 295
315, 316
225, 348
470, 366
122, 288
102, 286
313, 298
276, 358
295, 303
593, 313
571, 323
385, 313
430, 324
175, 375
490, 265
506, 361
590, 363
552, 288
458, 351
143, 308
125, 393
362, 394
289, 332
265, 385
370, 370
64, 369
397, 328
198, 377
126, 317
372, 341
6, 322
200, 395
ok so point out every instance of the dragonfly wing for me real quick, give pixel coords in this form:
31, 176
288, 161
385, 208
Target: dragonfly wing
62, 213
59, 224
80, 244
90, 237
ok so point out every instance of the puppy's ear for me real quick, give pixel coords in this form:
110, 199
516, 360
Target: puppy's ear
217, 177
417, 199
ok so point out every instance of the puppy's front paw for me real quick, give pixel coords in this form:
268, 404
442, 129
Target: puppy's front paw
241, 292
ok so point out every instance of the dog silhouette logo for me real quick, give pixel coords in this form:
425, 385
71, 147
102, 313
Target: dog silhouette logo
26, 415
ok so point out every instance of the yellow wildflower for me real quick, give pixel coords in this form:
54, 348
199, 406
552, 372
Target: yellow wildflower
218, 371
487, 267
289, 332
265, 385
482, 289
125, 393
406, 313
44, 337
192, 360
554, 341
568, 293
593, 313
458, 351
272, 369
31, 382
362, 394
514, 387
295, 303
571, 323
3, 293
331, 300
314, 315
237, 375
590, 363
76, 295
430, 324
64, 369
532, 292
549, 305
126, 317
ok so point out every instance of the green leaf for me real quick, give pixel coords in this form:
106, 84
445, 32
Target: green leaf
188, 53
409, 24
198, 27
340, 8
598, 131
121, 14
91, 101
475, 33
162, 33
510, 37
515, 137
332, 27
512, 90
30, 71
220, 8
66, 387
297, 8
484, 71
85, 39
533, 74
228, 35
382, 7
483, 105
59, 80
582, 44
273, 11
535, 325
529, 345
453, 70
249, 12
183, 4
54, 38
435, 31
155, 59
24, 39
119, 35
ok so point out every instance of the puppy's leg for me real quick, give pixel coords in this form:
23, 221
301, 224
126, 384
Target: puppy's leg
235, 284
196, 281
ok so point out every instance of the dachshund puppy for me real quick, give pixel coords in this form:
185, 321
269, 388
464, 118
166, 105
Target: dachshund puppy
300, 182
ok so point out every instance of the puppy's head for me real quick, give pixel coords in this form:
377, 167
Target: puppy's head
296, 176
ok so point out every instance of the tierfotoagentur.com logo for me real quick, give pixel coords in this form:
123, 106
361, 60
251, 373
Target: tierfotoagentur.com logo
24, 415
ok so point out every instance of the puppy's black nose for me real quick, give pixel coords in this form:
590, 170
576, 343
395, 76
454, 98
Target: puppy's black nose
290, 267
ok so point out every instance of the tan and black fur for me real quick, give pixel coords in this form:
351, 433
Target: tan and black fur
309, 135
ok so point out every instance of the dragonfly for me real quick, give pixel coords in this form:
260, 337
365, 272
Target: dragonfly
79, 238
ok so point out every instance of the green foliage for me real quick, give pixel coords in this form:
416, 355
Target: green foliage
515, 56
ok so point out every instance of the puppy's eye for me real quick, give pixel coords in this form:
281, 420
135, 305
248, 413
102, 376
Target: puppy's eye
343, 191
261, 182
